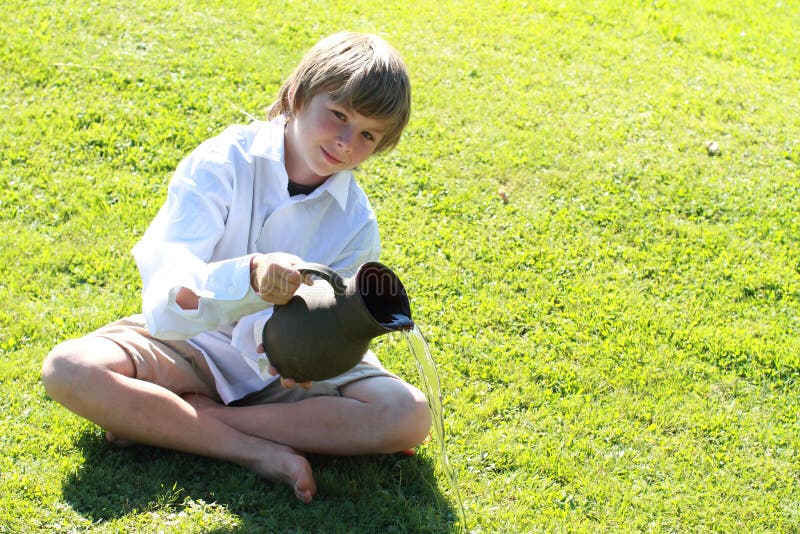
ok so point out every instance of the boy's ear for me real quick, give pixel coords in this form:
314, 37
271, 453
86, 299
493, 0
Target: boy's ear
290, 97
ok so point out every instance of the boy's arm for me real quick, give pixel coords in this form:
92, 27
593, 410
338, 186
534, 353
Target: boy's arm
184, 292
183, 295
272, 276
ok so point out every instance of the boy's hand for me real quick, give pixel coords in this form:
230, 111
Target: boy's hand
285, 382
274, 277
289, 383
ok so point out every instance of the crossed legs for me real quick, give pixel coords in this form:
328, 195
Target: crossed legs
96, 379
377, 415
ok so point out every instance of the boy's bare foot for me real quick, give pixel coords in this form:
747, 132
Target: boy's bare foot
277, 462
284, 464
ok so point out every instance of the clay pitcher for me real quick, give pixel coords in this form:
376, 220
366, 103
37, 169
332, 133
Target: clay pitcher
325, 329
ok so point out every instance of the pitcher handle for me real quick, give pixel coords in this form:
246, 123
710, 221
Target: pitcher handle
326, 273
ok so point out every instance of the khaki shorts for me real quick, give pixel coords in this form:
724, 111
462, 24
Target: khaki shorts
181, 368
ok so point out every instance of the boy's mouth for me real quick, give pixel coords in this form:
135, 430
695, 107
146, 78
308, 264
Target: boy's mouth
330, 158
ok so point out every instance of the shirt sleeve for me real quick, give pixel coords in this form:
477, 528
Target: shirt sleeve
176, 249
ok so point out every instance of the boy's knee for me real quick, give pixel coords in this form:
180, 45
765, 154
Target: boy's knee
60, 367
410, 421
70, 367
419, 421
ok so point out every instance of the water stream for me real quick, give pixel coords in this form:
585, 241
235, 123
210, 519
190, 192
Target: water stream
433, 391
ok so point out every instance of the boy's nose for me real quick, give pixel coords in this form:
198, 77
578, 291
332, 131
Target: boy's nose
345, 139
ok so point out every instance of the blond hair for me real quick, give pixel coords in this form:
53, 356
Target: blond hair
360, 71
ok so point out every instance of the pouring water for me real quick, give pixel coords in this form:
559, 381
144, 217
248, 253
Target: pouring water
433, 391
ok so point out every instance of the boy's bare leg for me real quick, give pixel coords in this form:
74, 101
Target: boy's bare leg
373, 416
93, 377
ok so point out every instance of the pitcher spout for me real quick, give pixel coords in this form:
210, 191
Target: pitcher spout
399, 322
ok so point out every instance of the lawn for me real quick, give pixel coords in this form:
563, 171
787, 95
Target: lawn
614, 308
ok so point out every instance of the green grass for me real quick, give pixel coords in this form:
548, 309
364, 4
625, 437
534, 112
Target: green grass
618, 345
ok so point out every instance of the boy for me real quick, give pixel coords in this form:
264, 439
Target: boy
242, 210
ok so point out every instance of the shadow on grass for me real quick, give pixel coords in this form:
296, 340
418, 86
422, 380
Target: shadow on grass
391, 493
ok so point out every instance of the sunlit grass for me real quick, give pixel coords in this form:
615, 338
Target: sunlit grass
617, 332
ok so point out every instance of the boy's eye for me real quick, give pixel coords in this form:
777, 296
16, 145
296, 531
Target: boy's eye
339, 115
368, 136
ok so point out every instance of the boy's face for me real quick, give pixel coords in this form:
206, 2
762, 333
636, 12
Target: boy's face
324, 137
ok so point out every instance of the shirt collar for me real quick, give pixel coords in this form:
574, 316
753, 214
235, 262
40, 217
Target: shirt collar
268, 143
338, 185
268, 140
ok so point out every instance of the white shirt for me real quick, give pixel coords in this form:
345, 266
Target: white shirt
227, 201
